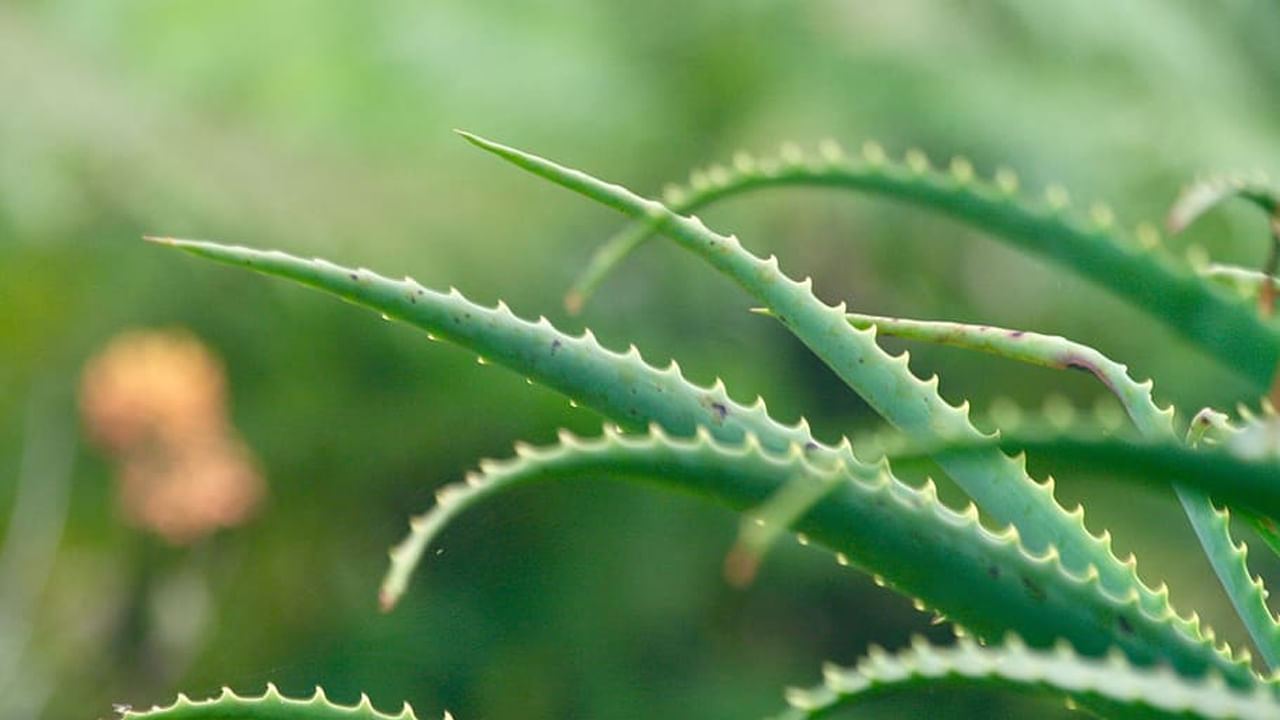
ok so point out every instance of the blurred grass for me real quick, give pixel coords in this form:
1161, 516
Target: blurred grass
324, 128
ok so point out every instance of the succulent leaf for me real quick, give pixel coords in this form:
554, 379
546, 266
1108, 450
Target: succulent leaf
1110, 686
620, 386
1131, 265
1211, 524
986, 581
1201, 197
998, 483
270, 706
1078, 622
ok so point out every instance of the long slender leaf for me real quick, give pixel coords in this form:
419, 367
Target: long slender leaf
577, 363
1211, 524
270, 706
1111, 686
998, 483
1131, 265
986, 581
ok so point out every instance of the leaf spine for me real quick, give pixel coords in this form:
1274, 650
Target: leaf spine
1057, 198
917, 161
831, 152
1006, 180
873, 153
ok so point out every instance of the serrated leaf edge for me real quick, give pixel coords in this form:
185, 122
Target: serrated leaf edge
317, 707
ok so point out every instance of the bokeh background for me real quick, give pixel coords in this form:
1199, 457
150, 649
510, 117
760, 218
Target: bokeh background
325, 129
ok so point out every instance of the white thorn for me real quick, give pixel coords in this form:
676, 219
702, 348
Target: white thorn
873, 153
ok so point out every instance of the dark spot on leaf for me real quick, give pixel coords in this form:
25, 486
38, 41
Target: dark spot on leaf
1079, 365
720, 410
1016, 334
993, 572
810, 446
1034, 591
354, 276
555, 345
1123, 623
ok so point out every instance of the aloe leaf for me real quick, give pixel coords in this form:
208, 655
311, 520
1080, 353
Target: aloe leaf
1249, 282
998, 483
1211, 525
510, 340
1247, 484
577, 363
575, 366
1200, 197
1131, 265
986, 581
1254, 439
1051, 351
620, 386
1266, 530
1111, 686
270, 706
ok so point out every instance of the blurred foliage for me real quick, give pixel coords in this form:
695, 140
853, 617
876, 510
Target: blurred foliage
324, 128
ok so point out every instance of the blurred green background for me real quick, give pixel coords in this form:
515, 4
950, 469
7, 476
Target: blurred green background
324, 129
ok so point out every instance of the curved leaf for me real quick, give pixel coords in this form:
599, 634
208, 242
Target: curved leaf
270, 706
1111, 686
1211, 525
986, 581
1201, 197
1249, 484
1131, 265
621, 386
998, 483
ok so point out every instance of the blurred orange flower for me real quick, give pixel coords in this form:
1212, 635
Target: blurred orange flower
156, 402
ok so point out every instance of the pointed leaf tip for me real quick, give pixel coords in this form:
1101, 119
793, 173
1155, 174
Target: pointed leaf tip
476, 139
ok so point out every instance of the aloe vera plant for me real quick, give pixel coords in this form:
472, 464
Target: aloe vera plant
1042, 604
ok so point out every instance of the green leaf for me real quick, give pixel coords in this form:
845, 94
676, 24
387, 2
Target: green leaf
1129, 264
1211, 525
988, 582
998, 483
1112, 686
1201, 197
270, 706
620, 386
